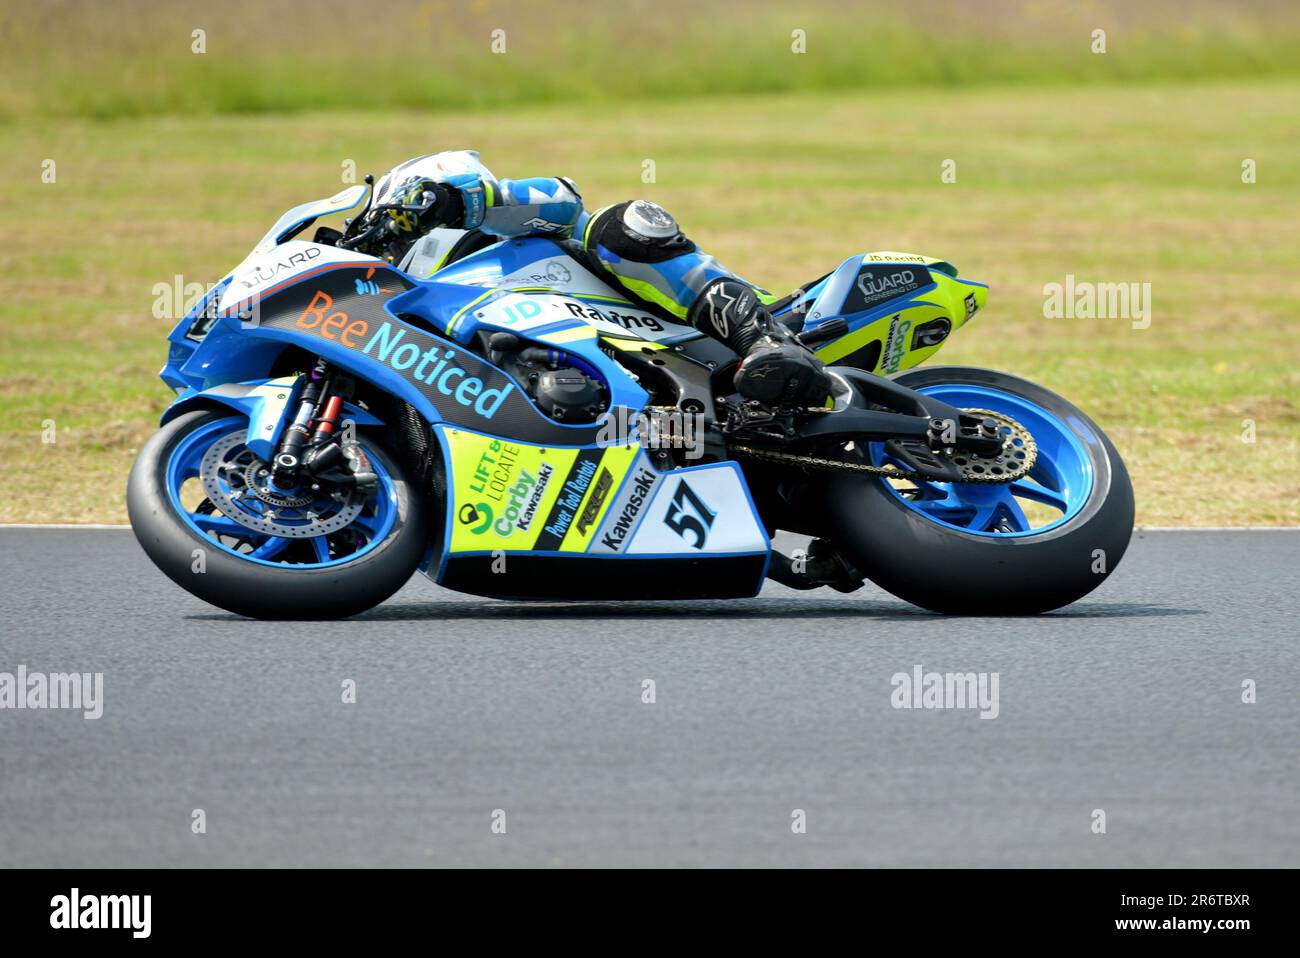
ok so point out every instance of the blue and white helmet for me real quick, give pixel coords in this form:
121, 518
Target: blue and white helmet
450, 166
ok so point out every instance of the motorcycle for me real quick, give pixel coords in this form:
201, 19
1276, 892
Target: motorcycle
514, 426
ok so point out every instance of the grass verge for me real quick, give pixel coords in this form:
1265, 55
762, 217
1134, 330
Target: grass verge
1111, 184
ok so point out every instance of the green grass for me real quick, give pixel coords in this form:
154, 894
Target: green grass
1114, 183
136, 57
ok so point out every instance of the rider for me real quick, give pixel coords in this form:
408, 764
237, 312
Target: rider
637, 243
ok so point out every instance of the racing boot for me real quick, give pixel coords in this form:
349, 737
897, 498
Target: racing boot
776, 369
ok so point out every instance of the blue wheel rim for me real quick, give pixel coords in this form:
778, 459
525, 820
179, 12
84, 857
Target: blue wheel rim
371, 527
1061, 481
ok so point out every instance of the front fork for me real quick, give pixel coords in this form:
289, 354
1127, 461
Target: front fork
313, 447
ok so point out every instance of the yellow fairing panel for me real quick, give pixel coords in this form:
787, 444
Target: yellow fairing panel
518, 497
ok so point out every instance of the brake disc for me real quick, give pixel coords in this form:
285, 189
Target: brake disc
239, 486
1013, 461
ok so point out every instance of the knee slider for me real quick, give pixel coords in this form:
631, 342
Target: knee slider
638, 230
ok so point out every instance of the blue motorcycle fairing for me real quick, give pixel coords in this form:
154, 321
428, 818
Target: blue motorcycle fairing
801, 301
533, 316
511, 258
542, 265
348, 315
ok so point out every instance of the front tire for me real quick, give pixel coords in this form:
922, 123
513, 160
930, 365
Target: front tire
964, 550
261, 576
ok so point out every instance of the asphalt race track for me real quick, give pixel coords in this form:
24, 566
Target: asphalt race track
1129, 702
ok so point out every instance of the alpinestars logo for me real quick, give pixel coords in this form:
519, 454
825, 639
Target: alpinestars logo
721, 305
718, 315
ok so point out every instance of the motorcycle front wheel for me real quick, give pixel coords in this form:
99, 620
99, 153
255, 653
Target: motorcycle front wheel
1018, 548
291, 554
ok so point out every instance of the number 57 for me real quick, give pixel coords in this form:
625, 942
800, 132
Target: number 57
681, 522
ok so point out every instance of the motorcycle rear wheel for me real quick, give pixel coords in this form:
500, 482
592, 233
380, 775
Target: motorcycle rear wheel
1021, 548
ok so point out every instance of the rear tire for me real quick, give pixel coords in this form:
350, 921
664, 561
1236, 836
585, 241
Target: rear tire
944, 569
261, 590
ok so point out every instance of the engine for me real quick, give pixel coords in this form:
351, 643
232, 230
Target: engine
551, 378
